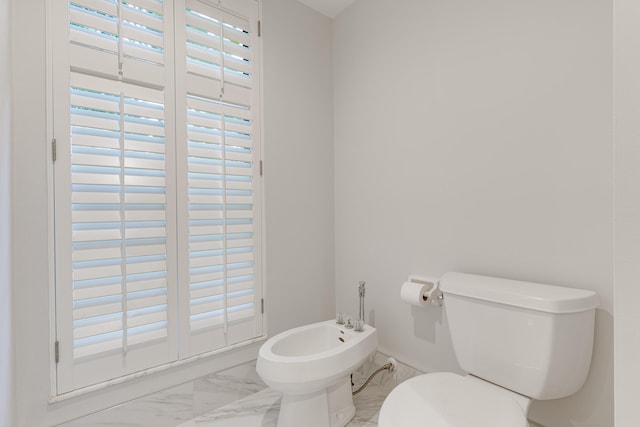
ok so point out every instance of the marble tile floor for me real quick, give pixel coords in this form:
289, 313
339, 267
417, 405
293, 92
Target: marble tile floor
261, 410
173, 406
235, 397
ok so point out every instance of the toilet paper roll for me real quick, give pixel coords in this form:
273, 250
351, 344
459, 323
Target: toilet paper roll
415, 293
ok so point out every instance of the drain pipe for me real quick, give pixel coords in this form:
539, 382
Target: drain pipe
389, 366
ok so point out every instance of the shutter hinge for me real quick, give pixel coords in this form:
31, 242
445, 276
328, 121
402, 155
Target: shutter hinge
259, 28
260, 167
262, 305
54, 151
57, 351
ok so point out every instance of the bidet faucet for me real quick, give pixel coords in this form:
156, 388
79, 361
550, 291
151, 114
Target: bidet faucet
361, 292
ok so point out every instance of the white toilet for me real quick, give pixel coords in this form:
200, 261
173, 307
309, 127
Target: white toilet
517, 340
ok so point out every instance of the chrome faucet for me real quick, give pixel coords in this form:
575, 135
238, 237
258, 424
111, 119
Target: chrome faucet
361, 292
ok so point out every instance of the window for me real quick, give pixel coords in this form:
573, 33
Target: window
156, 182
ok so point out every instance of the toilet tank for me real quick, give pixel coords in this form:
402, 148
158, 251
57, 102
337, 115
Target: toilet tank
531, 338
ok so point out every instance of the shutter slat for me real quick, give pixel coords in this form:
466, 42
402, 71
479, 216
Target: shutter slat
144, 181
206, 261
241, 315
206, 153
146, 112
205, 183
207, 214
102, 346
237, 94
198, 38
207, 276
208, 322
158, 333
103, 6
238, 272
104, 253
195, 18
205, 292
205, 245
204, 87
199, 308
154, 6
135, 14
147, 302
142, 53
94, 178
146, 285
90, 19
97, 310
146, 267
94, 61
103, 327
94, 273
147, 319
152, 40
92, 43
240, 257
146, 250
205, 56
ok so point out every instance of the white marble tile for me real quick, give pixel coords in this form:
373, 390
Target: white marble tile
223, 388
236, 398
163, 409
261, 410
257, 410
173, 406
368, 403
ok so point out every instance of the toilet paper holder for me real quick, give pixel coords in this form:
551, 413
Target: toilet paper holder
434, 294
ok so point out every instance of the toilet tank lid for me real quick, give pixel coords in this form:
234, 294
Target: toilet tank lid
534, 296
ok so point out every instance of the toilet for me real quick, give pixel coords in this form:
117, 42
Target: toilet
517, 341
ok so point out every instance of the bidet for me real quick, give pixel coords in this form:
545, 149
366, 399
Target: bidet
311, 366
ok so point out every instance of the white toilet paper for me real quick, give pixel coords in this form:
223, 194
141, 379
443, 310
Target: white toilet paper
416, 293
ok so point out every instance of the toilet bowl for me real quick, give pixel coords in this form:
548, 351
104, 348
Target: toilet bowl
517, 340
311, 366
445, 399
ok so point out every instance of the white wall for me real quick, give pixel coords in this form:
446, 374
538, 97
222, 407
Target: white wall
627, 131
298, 129
30, 227
476, 137
7, 390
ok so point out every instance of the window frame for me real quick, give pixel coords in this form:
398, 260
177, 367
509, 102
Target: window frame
181, 291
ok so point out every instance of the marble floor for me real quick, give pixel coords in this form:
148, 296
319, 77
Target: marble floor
235, 397
261, 410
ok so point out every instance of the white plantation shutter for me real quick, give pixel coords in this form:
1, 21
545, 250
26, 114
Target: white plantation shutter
118, 213
115, 283
109, 37
157, 223
219, 90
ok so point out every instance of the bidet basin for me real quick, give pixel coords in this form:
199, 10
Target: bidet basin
312, 357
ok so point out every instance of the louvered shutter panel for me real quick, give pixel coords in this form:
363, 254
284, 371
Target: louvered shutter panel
221, 152
113, 238
157, 206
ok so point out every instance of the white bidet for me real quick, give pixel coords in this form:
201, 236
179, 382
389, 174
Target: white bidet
311, 366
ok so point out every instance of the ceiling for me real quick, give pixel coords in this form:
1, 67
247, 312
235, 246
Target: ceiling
330, 8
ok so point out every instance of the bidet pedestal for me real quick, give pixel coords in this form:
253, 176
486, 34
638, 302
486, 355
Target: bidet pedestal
331, 407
